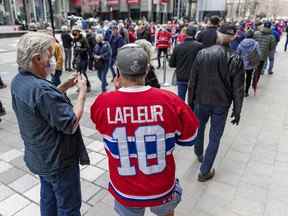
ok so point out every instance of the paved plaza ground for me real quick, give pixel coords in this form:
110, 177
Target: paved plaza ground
251, 167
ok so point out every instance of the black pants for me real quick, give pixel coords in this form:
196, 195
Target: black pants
1, 82
83, 70
159, 53
257, 75
249, 74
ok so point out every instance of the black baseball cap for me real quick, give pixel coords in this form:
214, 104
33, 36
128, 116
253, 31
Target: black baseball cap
228, 29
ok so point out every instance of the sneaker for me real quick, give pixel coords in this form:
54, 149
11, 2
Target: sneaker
2, 112
271, 73
246, 95
3, 86
158, 67
206, 177
88, 89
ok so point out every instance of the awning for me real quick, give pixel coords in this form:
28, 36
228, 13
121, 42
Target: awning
133, 2
112, 2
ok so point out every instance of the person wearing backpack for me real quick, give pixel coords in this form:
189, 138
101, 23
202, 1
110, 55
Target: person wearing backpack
249, 51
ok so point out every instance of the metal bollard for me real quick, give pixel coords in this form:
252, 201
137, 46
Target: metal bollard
165, 83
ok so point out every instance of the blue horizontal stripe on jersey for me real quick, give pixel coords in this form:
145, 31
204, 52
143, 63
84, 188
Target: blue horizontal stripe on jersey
141, 200
150, 146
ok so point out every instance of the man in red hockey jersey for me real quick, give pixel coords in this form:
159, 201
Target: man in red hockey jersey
163, 43
140, 126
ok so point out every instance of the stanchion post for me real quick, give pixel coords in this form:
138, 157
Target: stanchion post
165, 83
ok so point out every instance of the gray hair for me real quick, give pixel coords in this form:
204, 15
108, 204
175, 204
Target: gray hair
31, 44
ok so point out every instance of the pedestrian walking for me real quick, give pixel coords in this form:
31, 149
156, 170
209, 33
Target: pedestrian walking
151, 77
142, 173
208, 36
286, 42
163, 43
249, 51
266, 43
182, 59
49, 126
67, 42
57, 63
80, 59
2, 110
102, 56
217, 80
116, 42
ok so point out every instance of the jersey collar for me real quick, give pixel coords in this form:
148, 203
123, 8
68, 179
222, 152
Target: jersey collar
135, 89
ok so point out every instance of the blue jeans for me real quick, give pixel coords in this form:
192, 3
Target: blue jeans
61, 193
56, 77
102, 77
271, 58
182, 89
218, 116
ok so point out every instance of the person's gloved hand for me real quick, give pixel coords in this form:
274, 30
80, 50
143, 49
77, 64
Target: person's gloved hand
235, 118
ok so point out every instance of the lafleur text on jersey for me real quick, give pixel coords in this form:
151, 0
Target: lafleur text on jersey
135, 114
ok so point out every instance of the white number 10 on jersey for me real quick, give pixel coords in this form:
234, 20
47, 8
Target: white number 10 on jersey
155, 134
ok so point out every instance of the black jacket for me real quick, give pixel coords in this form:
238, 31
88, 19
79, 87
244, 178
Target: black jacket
183, 57
217, 78
151, 78
208, 36
81, 47
67, 40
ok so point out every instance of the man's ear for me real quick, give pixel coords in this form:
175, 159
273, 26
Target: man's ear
36, 59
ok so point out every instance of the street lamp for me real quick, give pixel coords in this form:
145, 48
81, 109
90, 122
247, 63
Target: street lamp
51, 16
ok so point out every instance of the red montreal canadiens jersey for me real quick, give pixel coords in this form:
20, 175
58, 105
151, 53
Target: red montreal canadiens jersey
140, 127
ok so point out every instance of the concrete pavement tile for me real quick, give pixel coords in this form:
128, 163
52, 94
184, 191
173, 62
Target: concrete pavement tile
258, 168
103, 164
3, 148
87, 131
19, 163
108, 200
98, 197
91, 173
4, 166
30, 210
95, 158
282, 157
276, 208
227, 176
13, 204
84, 208
278, 193
224, 191
11, 155
11, 175
101, 209
24, 183
252, 192
5, 192
96, 146
265, 157
103, 180
247, 207
34, 194
209, 203
96, 136
232, 165
237, 156
88, 190
87, 141
258, 180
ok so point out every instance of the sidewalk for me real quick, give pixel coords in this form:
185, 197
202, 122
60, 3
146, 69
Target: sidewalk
251, 166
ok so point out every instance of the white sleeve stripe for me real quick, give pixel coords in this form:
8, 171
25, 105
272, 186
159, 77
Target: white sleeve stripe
190, 138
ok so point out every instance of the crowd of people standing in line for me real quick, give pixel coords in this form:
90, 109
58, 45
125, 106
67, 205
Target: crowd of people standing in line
140, 124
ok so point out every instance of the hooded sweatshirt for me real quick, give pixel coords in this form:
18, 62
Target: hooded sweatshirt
245, 48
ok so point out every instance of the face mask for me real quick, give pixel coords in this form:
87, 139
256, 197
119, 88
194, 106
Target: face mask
51, 66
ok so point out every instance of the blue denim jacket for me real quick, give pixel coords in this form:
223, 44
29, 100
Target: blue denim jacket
46, 121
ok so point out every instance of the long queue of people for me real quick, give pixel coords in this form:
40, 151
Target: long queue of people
140, 125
